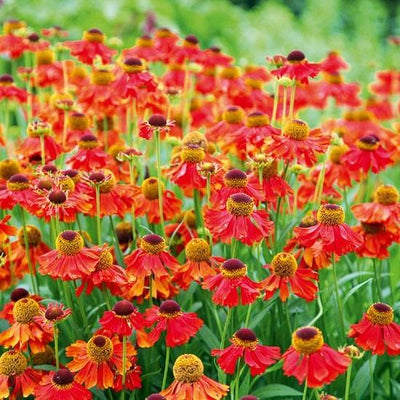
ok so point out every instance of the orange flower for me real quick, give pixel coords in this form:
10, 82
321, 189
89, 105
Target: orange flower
28, 329
70, 260
8, 90
155, 123
95, 362
18, 190
191, 383
6, 230
132, 377
16, 378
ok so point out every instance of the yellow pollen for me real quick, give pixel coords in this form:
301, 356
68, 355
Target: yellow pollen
78, 122
144, 42
367, 146
44, 357
195, 139
152, 248
8, 168
44, 57
330, 214
192, 155
88, 144
336, 153
13, 362
62, 101
239, 209
250, 344
171, 315
254, 83
17, 186
33, 233
234, 274
296, 129
132, 69
10, 26
37, 128
307, 345
190, 218
386, 195
380, 314
94, 37
100, 354
188, 368
236, 183
257, 120
270, 170
105, 260
69, 247
335, 79
25, 309
79, 73
284, 264
66, 183
101, 77
230, 73
150, 188
198, 250
233, 116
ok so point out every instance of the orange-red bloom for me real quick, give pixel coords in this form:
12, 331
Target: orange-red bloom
245, 345
191, 383
231, 280
169, 317
8, 91
5, 229
285, 272
310, 359
376, 331
61, 385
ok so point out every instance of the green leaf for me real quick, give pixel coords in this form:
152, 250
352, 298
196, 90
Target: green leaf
355, 289
208, 337
276, 390
362, 379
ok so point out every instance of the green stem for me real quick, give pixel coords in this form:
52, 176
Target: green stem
348, 380
118, 252
197, 210
305, 391
56, 351
248, 314
166, 367
226, 326
151, 290
377, 280
98, 218
208, 190
42, 150
285, 306
320, 310
371, 379
292, 96
338, 300
159, 182
276, 102
284, 104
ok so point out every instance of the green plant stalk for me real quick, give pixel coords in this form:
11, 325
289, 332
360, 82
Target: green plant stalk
56, 351
98, 218
348, 380
166, 366
284, 104
292, 97
276, 102
338, 300
132, 181
305, 391
226, 326
159, 182
197, 210
371, 379
42, 150
377, 281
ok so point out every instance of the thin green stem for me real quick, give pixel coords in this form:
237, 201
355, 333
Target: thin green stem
348, 381
159, 182
371, 379
248, 314
151, 290
284, 104
197, 210
292, 97
305, 391
338, 299
56, 351
98, 215
276, 102
166, 367
226, 326
42, 150
285, 306
377, 280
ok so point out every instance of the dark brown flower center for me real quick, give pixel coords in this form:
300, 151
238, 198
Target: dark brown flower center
169, 307
123, 308
157, 120
18, 294
63, 377
57, 197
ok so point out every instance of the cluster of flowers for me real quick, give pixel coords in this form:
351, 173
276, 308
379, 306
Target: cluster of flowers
97, 128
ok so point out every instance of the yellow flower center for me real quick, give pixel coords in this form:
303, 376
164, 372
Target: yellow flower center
8, 168
152, 244
190, 218
124, 232
25, 309
198, 250
144, 41
66, 183
63, 379
368, 143
387, 195
240, 205
44, 57
18, 182
195, 139
100, 348
78, 122
101, 77
257, 119
105, 179
307, 340
230, 73
296, 129
44, 357
132, 65
335, 79
94, 36
88, 144
12, 25
188, 368
69, 243
380, 314
336, 153
330, 214
233, 269
33, 234
150, 188
192, 154
170, 309
235, 178
245, 338
233, 115
13, 362
308, 220
254, 83
105, 260
284, 264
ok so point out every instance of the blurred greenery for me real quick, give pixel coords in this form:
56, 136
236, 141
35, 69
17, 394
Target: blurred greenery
358, 28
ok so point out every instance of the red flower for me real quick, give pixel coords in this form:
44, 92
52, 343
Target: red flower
336, 236
310, 359
61, 385
17, 190
6, 230
335, 170
90, 47
367, 155
96, 361
333, 63
245, 345
285, 272
70, 260
345, 94
146, 202
151, 261
191, 383
144, 48
376, 331
231, 280
298, 142
169, 317
297, 67
132, 378
8, 91
199, 265
16, 378
239, 220
156, 123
